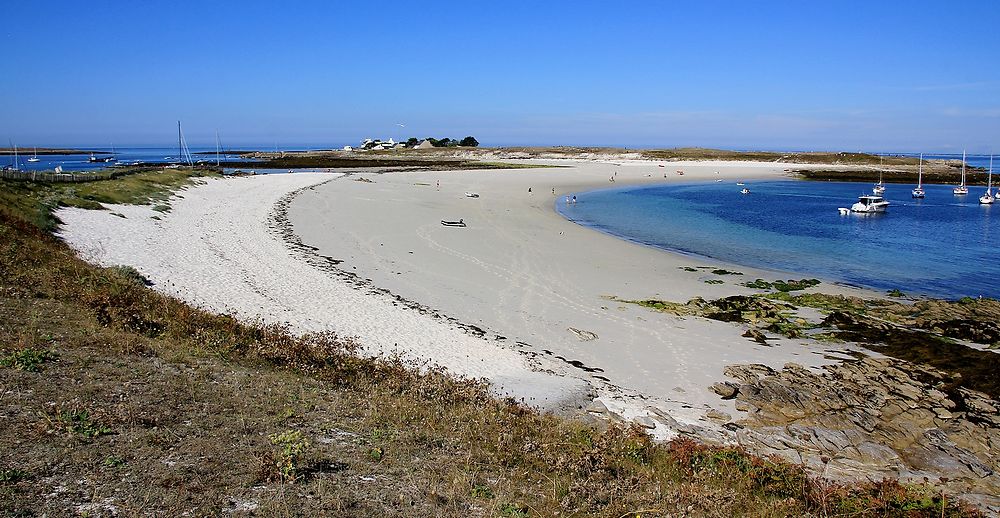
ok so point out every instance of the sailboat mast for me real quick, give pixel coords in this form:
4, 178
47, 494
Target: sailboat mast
963, 168
217, 148
920, 171
180, 153
989, 177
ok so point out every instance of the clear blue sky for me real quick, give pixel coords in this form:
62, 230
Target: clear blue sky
919, 76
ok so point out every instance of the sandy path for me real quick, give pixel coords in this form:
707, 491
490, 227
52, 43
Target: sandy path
216, 249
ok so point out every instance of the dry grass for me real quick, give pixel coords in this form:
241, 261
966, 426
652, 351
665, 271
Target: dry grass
143, 405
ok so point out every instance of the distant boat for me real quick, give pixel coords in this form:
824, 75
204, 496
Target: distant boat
34, 157
987, 199
867, 204
919, 191
961, 190
879, 188
14, 165
104, 159
745, 191
740, 183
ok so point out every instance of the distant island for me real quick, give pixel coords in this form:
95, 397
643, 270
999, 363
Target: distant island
51, 151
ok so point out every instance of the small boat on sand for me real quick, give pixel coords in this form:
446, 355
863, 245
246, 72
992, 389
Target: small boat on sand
459, 223
472, 195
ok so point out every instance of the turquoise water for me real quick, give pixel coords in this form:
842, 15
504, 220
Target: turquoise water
943, 246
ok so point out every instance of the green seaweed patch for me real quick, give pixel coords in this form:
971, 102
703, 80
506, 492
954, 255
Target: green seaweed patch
713, 281
665, 306
721, 271
820, 301
780, 285
895, 293
759, 284
688, 268
795, 285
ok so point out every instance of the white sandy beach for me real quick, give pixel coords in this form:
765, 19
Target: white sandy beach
540, 286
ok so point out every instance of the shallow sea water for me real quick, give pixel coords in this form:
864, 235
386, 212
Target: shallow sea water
943, 246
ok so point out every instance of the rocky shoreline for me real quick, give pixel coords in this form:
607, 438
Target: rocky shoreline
872, 418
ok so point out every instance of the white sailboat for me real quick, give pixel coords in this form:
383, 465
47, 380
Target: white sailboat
961, 190
34, 157
183, 153
879, 188
919, 191
14, 165
987, 199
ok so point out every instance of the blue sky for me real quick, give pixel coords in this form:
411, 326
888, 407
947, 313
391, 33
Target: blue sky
742, 75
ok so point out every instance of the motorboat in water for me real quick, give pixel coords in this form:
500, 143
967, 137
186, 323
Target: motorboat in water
745, 191
919, 191
867, 204
961, 190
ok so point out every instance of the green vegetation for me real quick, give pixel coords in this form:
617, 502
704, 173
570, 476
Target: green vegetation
469, 141
721, 271
35, 202
220, 413
713, 281
291, 447
78, 422
12, 476
29, 359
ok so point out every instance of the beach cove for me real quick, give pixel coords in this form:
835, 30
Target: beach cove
536, 289
520, 296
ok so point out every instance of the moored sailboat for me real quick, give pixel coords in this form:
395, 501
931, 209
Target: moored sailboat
987, 199
34, 157
961, 190
919, 191
879, 188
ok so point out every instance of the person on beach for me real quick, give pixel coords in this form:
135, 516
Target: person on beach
439, 185
574, 198
529, 190
553, 191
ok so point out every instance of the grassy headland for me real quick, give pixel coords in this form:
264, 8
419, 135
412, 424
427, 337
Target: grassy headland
119, 400
850, 167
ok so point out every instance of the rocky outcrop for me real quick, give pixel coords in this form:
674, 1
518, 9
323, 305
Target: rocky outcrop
872, 418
